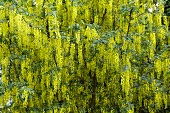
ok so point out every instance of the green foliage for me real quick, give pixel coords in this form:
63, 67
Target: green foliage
167, 8
84, 56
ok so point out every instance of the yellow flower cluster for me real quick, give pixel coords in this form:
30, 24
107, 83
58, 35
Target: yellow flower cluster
77, 56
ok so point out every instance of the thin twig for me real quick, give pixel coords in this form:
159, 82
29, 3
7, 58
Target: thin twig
130, 18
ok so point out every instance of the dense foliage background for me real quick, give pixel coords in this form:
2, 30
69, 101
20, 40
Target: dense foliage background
84, 56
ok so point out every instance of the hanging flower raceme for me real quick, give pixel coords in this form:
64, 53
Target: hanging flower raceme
84, 56
25, 95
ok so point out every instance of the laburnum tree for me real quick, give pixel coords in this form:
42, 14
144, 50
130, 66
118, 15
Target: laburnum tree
84, 56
